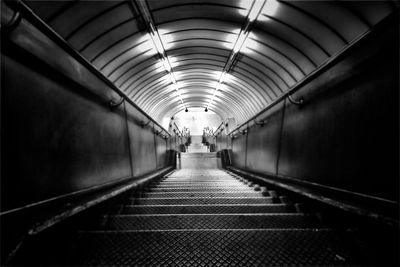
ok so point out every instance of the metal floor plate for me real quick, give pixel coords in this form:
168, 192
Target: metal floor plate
211, 221
201, 209
200, 189
201, 194
218, 248
201, 201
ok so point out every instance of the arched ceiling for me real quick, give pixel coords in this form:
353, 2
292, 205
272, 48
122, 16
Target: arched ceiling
286, 41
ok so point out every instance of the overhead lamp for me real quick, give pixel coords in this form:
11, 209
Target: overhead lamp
206, 109
172, 78
157, 42
222, 77
166, 64
186, 110
255, 9
239, 42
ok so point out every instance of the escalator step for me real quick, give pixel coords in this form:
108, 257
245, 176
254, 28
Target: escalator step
312, 247
202, 185
201, 201
202, 194
201, 189
201, 209
211, 221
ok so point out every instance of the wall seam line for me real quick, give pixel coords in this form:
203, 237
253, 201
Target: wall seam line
278, 154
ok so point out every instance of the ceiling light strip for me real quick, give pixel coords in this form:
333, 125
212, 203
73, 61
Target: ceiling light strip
158, 45
252, 16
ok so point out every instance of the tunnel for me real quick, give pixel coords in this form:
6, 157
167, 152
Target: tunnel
199, 133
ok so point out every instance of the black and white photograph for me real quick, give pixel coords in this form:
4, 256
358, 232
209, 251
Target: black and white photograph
200, 133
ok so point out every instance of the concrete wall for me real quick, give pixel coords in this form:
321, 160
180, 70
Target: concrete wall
346, 135
59, 134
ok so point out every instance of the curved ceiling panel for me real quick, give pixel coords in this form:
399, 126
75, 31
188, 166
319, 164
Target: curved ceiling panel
233, 56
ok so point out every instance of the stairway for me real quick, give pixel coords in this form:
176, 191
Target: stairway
191, 160
197, 148
208, 217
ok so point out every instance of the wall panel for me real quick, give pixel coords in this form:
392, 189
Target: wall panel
55, 140
263, 142
346, 134
239, 151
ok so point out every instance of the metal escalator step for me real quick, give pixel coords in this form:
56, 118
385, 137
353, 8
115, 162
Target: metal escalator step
209, 186
201, 189
201, 209
211, 221
201, 194
238, 184
201, 201
284, 247
199, 181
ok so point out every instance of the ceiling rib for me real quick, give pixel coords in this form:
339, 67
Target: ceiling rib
241, 38
158, 44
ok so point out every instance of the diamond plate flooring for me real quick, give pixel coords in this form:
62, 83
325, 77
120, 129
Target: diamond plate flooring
204, 209
217, 248
210, 218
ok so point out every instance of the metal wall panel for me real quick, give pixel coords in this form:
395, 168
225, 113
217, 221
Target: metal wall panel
239, 151
142, 145
59, 133
161, 150
55, 140
346, 134
263, 142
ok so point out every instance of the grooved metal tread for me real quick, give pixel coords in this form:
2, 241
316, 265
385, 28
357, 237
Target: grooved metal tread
211, 221
198, 180
312, 247
202, 185
211, 182
201, 209
201, 201
201, 194
215, 185
201, 189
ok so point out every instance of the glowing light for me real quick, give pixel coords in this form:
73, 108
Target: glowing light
270, 7
222, 78
255, 9
172, 78
166, 65
239, 43
157, 42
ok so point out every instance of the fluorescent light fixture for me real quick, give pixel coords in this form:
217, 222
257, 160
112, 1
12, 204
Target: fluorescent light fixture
222, 77
157, 42
172, 78
239, 42
255, 9
166, 64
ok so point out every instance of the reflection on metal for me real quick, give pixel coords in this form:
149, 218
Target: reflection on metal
116, 104
261, 123
299, 102
142, 124
8, 21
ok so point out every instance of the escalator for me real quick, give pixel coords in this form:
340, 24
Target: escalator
210, 217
